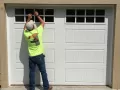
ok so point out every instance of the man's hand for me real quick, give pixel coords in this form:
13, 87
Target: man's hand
39, 18
36, 13
29, 16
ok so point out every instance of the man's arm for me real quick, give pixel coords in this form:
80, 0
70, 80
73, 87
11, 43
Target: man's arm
39, 18
41, 21
29, 18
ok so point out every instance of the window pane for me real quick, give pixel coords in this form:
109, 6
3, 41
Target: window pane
70, 19
49, 12
19, 18
89, 19
19, 11
28, 11
100, 19
40, 11
49, 19
100, 12
70, 12
90, 12
80, 12
80, 19
36, 19
31, 18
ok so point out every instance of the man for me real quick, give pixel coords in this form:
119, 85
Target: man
36, 51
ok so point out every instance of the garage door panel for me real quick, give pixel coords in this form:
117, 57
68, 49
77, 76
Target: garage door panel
89, 37
50, 55
47, 25
75, 46
23, 75
85, 65
69, 38
18, 35
85, 75
21, 25
84, 56
51, 75
100, 27
79, 36
20, 65
86, 26
49, 35
23, 56
24, 45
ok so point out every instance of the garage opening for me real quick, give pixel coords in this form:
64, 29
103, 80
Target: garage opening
77, 42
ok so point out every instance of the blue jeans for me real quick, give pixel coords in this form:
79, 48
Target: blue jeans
40, 62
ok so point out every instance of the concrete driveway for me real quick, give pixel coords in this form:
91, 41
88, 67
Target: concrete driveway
63, 88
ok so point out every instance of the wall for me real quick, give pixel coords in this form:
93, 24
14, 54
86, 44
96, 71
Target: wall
62, 1
3, 47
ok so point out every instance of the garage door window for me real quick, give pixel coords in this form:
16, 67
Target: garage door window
19, 15
85, 16
70, 15
100, 16
19, 11
46, 14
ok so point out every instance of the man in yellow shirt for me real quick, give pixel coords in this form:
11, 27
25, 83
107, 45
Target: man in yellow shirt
36, 51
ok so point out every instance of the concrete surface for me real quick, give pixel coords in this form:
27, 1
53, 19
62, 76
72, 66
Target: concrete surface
62, 88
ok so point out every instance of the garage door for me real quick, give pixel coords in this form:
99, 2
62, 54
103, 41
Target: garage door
75, 41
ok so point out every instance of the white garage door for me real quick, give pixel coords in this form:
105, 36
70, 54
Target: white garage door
75, 41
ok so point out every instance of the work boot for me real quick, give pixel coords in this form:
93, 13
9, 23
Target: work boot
50, 88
